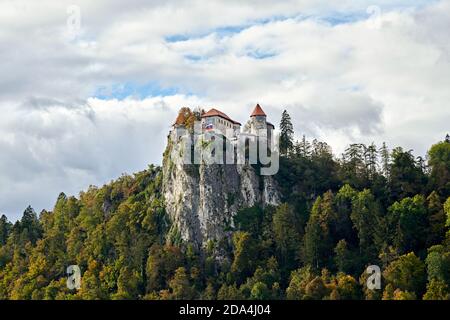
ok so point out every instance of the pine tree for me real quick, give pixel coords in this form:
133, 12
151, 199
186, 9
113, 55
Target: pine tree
406, 178
385, 160
366, 220
5, 227
439, 162
342, 257
354, 166
244, 252
303, 148
371, 160
29, 227
286, 234
436, 219
181, 289
287, 134
318, 244
313, 242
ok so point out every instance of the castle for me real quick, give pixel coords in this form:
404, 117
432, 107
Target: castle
202, 200
218, 122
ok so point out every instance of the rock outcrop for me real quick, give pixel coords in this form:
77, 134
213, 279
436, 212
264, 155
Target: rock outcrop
202, 199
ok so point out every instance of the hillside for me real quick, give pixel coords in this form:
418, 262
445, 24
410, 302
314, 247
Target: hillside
334, 217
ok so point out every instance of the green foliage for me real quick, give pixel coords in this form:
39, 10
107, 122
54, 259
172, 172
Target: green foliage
5, 228
407, 273
229, 292
286, 134
404, 295
436, 219
408, 219
318, 241
315, 241
368, 222
249, 219
437, 290
438, 263
336, 218
299, 280
287, 235
439, 161
406, 177
447, 211
260, 291
343, 257
347, 287
180, 286
244, 252
303, 178
107, 232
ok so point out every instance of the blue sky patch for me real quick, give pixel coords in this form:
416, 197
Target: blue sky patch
341, 18
194, 58
261, 54
225, 31
332, 18
122, 91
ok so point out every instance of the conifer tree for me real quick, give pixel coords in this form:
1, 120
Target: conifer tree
286, 134
385, 160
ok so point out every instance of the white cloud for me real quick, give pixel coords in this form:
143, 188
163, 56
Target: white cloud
46, 150
383, 78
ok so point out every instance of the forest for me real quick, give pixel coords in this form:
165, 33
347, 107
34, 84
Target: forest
339, 214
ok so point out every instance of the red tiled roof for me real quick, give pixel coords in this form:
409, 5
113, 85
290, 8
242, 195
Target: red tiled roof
216, 113
258, 111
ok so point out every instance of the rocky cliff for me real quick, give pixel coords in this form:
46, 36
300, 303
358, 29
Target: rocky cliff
201, 199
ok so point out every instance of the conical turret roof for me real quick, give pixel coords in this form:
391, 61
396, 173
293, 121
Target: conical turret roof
258, 111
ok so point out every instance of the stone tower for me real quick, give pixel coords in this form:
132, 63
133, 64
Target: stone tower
258, 120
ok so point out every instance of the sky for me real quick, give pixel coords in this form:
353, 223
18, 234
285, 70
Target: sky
89, 89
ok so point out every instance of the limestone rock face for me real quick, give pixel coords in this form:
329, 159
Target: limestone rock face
202, 199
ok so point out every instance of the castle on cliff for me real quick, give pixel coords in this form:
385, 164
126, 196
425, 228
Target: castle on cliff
201, 201
218, 122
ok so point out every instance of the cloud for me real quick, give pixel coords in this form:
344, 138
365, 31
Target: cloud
61, 147
80, 109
